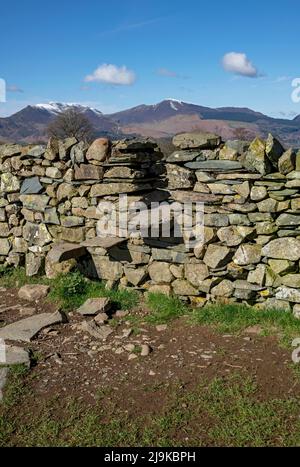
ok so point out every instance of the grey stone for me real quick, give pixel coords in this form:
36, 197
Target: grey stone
94, 306
288, 220
26, 329
196, 273
145, 350
53, 172
160, 272
52, 149
234, 235
36, 234
291, 280
224, 289
274, 304
287, 161
179, 177
274, 150
71, 221
16, 356
215, 166
31, 186
106, 189
288, 294
216, 220
107, 269
98, 332
77, 153
183, 156
256, 158
268, 205
239, 219
135, 276
33, 292
36, 151
5, 246
192, 197
259, 193
283, 248
9, 183
35, 202
170, 256
184, 288
247, 254
64, 147
161, 289
33, 264
217, 256
51, 216
88, 172
196, 140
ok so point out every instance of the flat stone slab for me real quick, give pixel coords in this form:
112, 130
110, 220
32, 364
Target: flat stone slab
33, 292
215, 166
103, 242
184, 156
191, 196
26, 329
94, 306
64, 251
98, 332
15, 356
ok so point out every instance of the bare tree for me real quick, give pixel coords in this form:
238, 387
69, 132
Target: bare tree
71, 123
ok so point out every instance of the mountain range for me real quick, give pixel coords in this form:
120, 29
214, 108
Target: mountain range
162, 120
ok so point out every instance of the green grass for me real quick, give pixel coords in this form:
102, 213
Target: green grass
224, 412
72, 290
164, 308
233, 318
236, 318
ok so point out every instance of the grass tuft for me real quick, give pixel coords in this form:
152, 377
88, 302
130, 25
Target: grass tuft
71, 290
236, 318
164, 308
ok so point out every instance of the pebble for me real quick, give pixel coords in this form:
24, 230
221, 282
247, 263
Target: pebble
145, 350
129, 347
132, 356
127, 333
161, 327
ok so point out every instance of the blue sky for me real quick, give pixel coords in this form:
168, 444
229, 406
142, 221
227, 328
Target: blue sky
117, 54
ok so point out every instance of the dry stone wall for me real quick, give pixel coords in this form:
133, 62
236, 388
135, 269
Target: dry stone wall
49, 216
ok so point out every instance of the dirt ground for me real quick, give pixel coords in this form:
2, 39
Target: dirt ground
68, 361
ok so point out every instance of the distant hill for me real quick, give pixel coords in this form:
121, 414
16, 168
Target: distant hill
161, 120
30, 124
171, 116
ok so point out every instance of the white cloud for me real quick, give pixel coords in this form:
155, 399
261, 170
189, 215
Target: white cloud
13, 88
239, 64
111, 74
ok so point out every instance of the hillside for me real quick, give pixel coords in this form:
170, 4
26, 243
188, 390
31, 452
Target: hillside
161, 120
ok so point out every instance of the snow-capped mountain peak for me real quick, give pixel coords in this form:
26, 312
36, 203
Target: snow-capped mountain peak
58, 107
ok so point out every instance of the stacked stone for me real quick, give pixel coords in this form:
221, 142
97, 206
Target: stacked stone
251, 202
251, 194
50, 193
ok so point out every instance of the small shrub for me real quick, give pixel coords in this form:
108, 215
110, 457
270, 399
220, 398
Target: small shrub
70, 285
